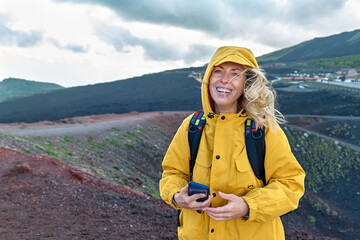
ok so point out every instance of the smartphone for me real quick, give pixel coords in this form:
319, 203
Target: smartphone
195, 188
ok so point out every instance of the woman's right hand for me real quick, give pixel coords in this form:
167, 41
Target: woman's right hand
183, 199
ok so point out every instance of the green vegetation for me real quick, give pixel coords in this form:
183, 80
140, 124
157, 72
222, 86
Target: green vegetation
311, 219
352, 61
117, 168
13, 87
322, 84
126, 157
343, 131
326, 162
275, 56
321, 206
327, 100
354, 38
120, 156
334, 46
133, 156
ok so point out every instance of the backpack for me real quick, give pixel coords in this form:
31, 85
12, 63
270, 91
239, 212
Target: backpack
254, 141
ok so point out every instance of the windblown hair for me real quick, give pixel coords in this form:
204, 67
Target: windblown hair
258, 99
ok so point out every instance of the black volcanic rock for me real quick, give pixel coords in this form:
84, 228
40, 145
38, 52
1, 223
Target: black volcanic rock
166, 91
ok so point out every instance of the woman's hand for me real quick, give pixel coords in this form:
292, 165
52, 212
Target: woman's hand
183, 200
235, 208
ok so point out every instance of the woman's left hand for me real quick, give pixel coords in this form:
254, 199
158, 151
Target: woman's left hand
235, 208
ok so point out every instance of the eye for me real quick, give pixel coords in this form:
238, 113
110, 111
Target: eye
235, 75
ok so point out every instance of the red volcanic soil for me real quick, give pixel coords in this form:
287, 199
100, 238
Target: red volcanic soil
41, 198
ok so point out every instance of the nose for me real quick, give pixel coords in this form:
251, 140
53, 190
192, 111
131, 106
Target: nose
226, 78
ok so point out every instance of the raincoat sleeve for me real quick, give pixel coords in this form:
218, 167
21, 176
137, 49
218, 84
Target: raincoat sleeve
284, 177
176, 172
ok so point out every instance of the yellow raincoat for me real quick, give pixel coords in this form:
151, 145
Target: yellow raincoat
223, 165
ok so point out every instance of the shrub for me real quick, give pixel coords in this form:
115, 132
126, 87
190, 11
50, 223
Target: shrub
311, 219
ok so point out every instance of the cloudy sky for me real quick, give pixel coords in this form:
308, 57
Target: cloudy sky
80, 42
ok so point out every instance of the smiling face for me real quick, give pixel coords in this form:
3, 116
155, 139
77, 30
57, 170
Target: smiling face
226, 85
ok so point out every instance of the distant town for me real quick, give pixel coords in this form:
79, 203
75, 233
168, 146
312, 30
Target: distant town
342, 75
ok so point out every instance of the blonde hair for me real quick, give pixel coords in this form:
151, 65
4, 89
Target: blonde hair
258, 98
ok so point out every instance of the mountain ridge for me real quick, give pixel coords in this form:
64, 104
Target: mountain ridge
337, 45
174, 90
15, 88
165, 91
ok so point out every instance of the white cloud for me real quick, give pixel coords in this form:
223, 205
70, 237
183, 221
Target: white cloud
10, 37
76, 48
77, 42
154, 49
230, 19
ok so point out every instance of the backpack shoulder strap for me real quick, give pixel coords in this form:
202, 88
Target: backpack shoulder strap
254, 140
196, 126
255, 148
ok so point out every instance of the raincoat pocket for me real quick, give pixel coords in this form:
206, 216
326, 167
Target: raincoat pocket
202, 167
179, 218
245, 177
193, 225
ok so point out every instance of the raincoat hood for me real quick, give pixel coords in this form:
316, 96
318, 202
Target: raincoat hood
240, 55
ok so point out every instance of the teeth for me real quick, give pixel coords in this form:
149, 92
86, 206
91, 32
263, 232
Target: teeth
223, 90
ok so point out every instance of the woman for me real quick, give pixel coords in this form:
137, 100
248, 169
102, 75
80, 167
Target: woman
240, 206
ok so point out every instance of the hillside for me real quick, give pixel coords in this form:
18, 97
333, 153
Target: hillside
166, 91
352, 61
175, 91
317, 100
43, 198
339, 45
127, 150
13, 88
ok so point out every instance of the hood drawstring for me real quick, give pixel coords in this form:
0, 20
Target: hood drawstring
242, 112
211, 115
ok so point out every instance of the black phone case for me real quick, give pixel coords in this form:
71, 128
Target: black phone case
195, 188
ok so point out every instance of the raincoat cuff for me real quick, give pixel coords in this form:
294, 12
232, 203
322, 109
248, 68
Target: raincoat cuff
253, 208
171, 197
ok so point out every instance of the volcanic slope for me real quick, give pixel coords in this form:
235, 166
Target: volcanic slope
87, 193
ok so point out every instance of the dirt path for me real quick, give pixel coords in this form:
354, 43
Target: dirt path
43, 198
353, 146
303, 122
323, 116
99, 123
82, 125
